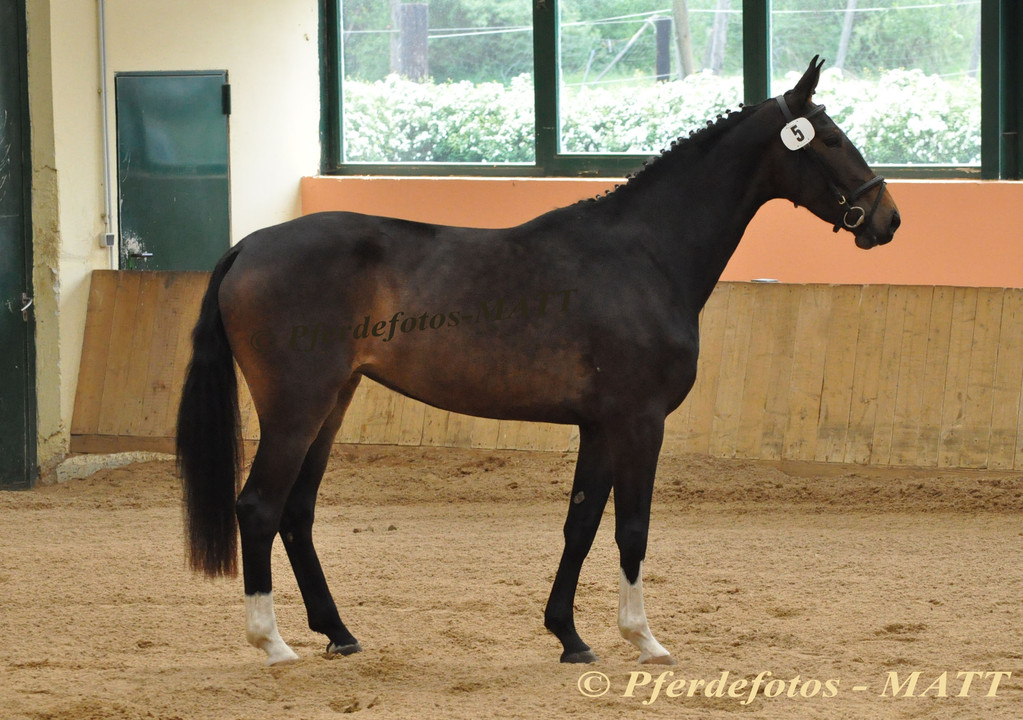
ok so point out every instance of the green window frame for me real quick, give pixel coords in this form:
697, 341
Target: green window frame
1001, 101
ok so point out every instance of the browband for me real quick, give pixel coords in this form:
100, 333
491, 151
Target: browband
789, 117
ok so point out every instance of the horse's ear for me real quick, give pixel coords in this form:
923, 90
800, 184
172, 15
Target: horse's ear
804, 89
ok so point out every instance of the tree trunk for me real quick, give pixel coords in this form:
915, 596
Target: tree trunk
974, 69
683, 39
413, 26
395, 37
847, 25
719, 35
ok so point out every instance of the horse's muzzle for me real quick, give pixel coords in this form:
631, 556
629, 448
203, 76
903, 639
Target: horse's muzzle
870, 238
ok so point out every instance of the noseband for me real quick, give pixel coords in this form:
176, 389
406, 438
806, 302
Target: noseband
854, 215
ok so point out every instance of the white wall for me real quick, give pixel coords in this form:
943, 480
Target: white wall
270, 50
271, 53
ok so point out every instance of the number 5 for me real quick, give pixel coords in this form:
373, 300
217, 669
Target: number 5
797, 133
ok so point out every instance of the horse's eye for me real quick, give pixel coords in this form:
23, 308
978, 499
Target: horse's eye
832, 140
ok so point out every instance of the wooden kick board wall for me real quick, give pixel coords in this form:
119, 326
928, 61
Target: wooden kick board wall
882, 375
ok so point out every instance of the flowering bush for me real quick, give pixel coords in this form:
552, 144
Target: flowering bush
908, 117
644, 118
903, 117
397, 120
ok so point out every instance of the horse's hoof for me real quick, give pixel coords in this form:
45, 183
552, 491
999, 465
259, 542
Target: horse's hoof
349, 649
581, 656
660, 660
281, 657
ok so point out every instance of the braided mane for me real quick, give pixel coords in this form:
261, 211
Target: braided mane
680, 149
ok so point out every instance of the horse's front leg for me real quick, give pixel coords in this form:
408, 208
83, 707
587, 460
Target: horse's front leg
590, 490
637, 445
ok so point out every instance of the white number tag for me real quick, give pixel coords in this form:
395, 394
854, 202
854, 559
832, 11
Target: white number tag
797, 133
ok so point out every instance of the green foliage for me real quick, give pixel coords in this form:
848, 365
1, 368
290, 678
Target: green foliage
908, 117
485, 57
463, 44
902, 117
644, 118
935, 36
396, 120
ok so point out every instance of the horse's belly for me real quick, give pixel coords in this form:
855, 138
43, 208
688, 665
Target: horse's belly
501, 378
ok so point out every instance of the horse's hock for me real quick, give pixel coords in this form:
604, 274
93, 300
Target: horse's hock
875, 374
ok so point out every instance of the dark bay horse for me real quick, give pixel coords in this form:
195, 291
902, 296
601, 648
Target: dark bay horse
586, 315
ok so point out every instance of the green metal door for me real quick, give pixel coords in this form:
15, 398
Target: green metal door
172, 170
17, 372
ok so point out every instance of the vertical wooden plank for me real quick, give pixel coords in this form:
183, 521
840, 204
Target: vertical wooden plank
390, 427
351, 426
981, 379
953, 404
866, 372
932, 394
131, 420
777, 403
392, 431
459, 431
800, 441
1008, 383
573, 439
909, 387
161, 356
1014, 326
887, 386
839, 367
555, 438
676, 431
435, 426
413, 414
484, 433
677, 434
191, 290
116, 376
99, 321
734, 355
767, 309
506, 432
704, 392
378, 415
528, 436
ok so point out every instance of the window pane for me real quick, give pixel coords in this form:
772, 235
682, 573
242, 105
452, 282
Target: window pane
902, 78
449, 81
625, 91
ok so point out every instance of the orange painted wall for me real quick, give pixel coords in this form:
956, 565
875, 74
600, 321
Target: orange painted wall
962, 233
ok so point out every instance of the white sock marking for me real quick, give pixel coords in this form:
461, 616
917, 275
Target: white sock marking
632, 619
261, 628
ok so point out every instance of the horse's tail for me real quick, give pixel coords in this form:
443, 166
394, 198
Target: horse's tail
208, 443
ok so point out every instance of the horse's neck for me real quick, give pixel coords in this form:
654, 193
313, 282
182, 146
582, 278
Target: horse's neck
702, 208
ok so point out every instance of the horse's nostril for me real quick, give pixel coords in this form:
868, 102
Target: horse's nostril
896, 221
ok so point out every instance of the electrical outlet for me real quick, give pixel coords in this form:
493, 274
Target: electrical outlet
106, 240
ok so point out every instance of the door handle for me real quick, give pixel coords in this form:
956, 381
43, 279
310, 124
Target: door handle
26, 304
143, 255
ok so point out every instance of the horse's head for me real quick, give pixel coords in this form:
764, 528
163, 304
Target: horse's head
820, 169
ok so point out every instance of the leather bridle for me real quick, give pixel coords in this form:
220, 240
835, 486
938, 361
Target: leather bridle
854, 215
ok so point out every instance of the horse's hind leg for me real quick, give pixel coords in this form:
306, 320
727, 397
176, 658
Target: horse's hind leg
288, 425
296, 532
